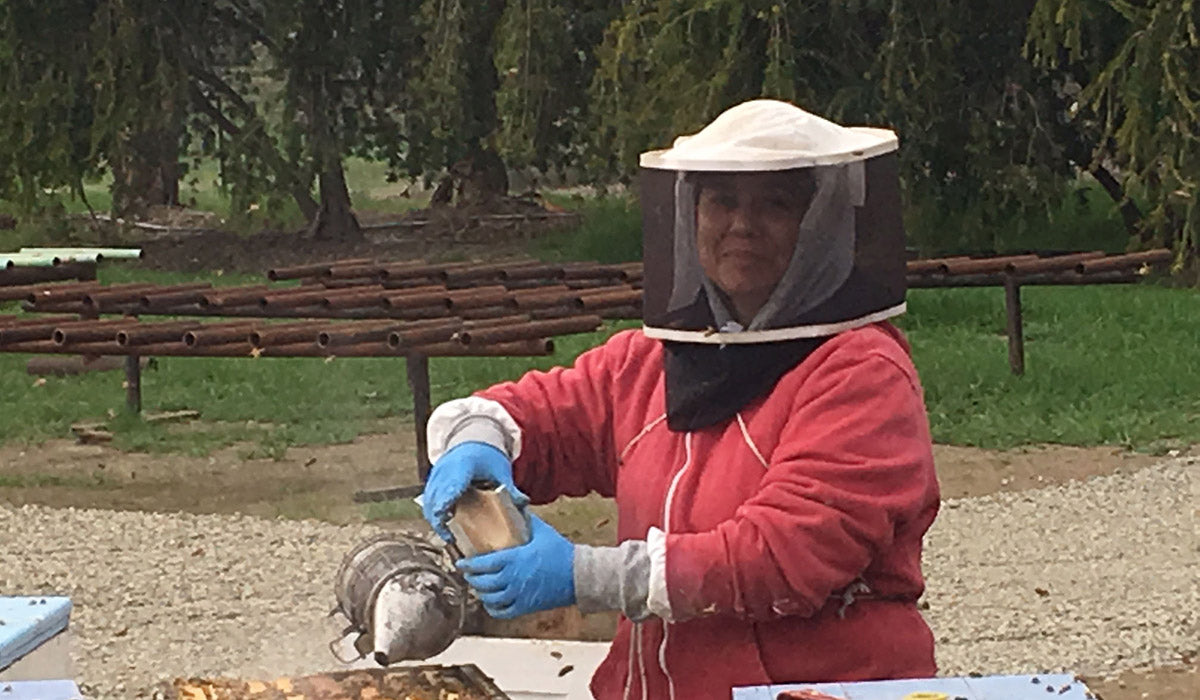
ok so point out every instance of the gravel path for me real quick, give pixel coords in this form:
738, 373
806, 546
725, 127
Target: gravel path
1092, 577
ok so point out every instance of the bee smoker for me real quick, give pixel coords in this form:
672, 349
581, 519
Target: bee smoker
401, 595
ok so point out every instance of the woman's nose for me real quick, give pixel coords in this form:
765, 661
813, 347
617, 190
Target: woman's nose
740, 221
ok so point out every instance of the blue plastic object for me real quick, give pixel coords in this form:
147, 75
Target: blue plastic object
40, 690
982, 688
28, 622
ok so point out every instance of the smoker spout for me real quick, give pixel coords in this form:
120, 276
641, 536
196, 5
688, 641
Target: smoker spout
411, 621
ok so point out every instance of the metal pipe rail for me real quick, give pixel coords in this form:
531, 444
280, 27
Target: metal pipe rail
128, 335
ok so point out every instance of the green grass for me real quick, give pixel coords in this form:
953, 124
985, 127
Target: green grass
610, 232
391, 510
1104, 365
1086, 219
200, 189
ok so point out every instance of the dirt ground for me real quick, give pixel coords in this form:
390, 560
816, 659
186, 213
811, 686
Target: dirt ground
492, 232
319, 482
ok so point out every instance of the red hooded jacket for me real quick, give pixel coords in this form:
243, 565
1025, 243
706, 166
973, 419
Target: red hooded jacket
793, 531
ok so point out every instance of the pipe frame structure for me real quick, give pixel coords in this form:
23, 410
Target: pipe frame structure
554, 298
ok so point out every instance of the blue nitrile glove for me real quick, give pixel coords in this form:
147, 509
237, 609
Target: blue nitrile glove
453, 473
539, 575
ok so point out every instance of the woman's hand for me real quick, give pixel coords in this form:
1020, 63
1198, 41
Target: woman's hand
453, 474
536, 576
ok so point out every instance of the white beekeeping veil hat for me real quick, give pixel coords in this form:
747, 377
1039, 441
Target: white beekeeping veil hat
846, 266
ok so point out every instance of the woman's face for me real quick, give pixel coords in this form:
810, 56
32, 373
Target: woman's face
746, 230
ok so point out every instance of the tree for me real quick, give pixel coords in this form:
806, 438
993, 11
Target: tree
1138, 68
346, 70
981, 126
546, 58
44, 84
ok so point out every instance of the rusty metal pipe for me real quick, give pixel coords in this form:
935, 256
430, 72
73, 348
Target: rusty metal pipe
360, 332
97, 330
555, 312
32, 292
45, 331
532, 272
15, 321
292, 298
433, 271
484, 271
219, 334
354, 298
105, 296
366, 270
327, 283
283, 333
1047, 279
172, 297
232, 296
408, 337
1130, 261
387, 270
533, 329
527, 347
151, 333
591, 271
982, 265
487, 312
474, 299
310, 270
74, 291
595, 301
543, 289
411, 300
932, 265
543, 300
621, 313
1054, 263
597, 283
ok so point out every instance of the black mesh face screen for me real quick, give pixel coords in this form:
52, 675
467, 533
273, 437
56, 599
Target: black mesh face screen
866, 274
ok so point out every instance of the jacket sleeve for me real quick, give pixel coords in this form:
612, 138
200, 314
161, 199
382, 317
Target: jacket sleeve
853, 463
565, 417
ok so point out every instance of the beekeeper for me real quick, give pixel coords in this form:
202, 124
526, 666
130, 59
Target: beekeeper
764, 434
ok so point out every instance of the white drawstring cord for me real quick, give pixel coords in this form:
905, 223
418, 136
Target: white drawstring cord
750, 442
662, 647
629, 665
641, 661
639, 436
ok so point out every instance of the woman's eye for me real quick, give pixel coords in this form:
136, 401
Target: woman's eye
721, 200
778, 204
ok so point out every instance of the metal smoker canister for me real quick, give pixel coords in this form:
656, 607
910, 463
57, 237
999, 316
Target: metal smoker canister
400, 599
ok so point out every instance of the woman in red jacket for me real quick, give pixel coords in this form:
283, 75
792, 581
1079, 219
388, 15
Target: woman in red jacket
764, 435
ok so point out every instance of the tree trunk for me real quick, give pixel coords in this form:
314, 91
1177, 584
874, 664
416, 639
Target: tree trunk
1130, 213
285, 172
148, 175
486, 179
335, 219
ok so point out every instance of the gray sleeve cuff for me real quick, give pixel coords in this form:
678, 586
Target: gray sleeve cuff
480, 429
472, 418
613, 578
